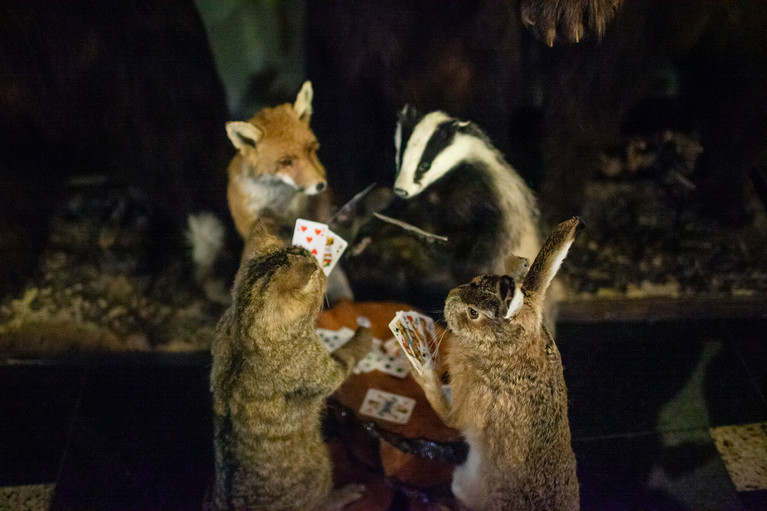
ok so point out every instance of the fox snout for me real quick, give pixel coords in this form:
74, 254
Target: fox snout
304, 176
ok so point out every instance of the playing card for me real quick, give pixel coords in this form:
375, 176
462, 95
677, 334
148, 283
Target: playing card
334, 339
312, 236
417, 337
387, 406
389, 364
334, 248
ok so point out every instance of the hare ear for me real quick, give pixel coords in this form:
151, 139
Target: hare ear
303, 104
549, 259
510, 296
244, 135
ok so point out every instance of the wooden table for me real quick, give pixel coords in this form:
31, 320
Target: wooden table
421, 453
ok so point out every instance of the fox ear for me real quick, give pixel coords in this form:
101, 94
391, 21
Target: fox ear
244, 135
303, 104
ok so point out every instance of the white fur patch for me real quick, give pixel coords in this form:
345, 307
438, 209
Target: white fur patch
397, 144
558, 261
266, 191
515, 304
205, 234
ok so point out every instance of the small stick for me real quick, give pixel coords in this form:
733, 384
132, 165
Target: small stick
411, 228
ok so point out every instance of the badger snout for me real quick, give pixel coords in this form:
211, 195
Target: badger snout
399, 192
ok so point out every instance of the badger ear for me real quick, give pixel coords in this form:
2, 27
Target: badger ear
244, 135
408, 115
303, 104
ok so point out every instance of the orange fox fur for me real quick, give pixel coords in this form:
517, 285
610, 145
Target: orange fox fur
276, 173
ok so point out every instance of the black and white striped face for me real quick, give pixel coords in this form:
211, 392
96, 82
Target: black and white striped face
428, 147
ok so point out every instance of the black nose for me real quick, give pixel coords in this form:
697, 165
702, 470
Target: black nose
320, 186
400, 192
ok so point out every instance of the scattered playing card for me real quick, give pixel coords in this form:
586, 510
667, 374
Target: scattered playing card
417, 337
375, 360
387, 406
312, 236
334, 339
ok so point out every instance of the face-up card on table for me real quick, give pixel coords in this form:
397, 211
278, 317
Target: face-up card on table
417, 337
334, 339
387, 406
376, 360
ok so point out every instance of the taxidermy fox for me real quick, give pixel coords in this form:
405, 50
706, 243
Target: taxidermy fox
276, 173
270, 378
508, 391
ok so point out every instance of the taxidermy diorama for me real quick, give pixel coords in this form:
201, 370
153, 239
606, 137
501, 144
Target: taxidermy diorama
509, 397
270, 378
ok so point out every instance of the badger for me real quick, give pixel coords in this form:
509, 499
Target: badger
460, 186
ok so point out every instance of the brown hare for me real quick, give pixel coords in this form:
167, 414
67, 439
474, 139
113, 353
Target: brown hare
508, 392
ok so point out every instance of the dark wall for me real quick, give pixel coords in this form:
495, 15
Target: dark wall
551, 110
125, 90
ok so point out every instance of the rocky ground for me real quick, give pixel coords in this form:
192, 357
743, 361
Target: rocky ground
103, 285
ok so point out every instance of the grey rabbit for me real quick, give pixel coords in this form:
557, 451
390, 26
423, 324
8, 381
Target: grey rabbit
270, 378
509, 398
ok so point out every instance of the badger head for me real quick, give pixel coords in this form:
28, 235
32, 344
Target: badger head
429, 146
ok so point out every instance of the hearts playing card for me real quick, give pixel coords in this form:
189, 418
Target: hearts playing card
312, 236
417, 337
387, 406
324, 244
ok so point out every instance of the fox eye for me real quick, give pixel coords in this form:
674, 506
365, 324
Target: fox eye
286, 161
473, 314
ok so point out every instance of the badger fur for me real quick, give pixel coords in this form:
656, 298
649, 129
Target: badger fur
460, 186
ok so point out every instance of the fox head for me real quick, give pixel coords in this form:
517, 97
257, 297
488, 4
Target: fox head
278, 142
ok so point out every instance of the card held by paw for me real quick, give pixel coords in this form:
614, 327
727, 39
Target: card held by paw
387, 406
417, 337
325, 245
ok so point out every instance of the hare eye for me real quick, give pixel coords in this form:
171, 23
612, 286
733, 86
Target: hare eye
473, 314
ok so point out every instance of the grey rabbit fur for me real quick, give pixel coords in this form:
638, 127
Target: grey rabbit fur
509, 398
270, 378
